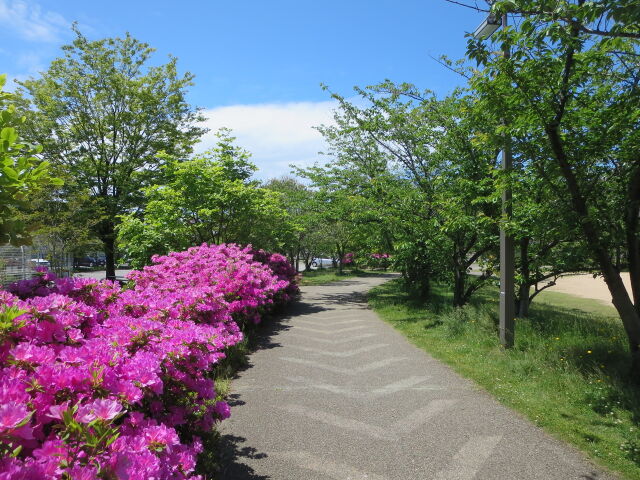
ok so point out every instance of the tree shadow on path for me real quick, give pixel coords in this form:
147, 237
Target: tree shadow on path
354, 300
232, 455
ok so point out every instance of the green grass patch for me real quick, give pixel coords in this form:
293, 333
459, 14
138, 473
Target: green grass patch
327, 275
567, 372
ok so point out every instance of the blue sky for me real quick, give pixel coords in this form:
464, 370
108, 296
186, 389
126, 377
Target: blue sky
258, 64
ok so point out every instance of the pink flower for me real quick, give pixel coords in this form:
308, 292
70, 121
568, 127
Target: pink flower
223, 410
12, 414
56, 411
106, 409
103, 408
30, 353
83, 473
85, 414
137, 353
161, 435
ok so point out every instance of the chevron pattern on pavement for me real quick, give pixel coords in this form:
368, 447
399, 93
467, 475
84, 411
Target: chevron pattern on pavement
336, 393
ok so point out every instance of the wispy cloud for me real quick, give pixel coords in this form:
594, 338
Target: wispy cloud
278, 134
31, 22
28, 64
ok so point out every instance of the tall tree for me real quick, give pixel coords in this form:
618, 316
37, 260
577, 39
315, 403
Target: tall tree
297, 199
438, 146
573, 82
62, 222
104, 114
208, 198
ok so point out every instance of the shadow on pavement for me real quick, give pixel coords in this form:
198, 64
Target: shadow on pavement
262, 337
232, 454
233, 400
351, 299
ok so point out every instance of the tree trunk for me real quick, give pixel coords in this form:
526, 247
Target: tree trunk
633, 242
523, 300
459, 277
340, 252
291, 257
628, 314
621, 299
108, 238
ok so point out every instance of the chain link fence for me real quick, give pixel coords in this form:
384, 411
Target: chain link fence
19, 263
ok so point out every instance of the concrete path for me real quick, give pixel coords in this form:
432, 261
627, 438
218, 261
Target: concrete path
336, 393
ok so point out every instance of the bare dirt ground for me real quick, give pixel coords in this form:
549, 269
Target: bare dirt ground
586, 286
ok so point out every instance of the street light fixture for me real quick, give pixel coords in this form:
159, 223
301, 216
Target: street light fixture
487, 28
507, 271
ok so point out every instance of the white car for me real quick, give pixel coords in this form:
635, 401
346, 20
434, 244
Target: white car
40, 262
322, 263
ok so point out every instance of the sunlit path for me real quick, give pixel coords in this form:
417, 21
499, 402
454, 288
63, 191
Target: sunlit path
328, 399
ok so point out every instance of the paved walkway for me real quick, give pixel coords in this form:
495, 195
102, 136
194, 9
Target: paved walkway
338, 394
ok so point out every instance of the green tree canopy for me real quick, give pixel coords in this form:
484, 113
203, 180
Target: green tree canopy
21, 171
571, 86
103, 113
208, 198
439, 149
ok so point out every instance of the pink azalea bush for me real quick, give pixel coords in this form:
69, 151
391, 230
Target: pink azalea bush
281, 267
97, 381
348, 258
380, 260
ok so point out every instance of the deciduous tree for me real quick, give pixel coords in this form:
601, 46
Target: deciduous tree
104, 113
208, 198
572, 84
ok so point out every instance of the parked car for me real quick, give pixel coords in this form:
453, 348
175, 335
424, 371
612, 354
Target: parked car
322, 263
85, 262
40, 262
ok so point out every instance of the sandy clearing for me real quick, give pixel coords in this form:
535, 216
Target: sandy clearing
586, 286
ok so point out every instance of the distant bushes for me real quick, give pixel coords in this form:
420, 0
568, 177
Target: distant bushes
97, 381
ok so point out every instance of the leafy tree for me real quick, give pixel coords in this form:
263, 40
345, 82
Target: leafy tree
298, 200
62, 221
437, 146
104, 114
21, 171
572, 84
345, 217
547, 246
209, 198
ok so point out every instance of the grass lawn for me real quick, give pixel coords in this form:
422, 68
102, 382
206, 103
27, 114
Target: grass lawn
327, 275
566, 373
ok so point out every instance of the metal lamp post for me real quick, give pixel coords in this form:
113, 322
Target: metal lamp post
507, 272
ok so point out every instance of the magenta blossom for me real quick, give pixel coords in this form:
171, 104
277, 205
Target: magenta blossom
12, 415
139, 360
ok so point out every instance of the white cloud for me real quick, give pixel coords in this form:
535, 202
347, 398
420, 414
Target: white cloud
277, 134
29, 63
32, 23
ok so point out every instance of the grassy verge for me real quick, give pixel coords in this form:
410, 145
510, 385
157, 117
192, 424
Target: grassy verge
566, 373
326, 275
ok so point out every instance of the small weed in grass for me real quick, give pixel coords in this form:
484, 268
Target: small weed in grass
567, 372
